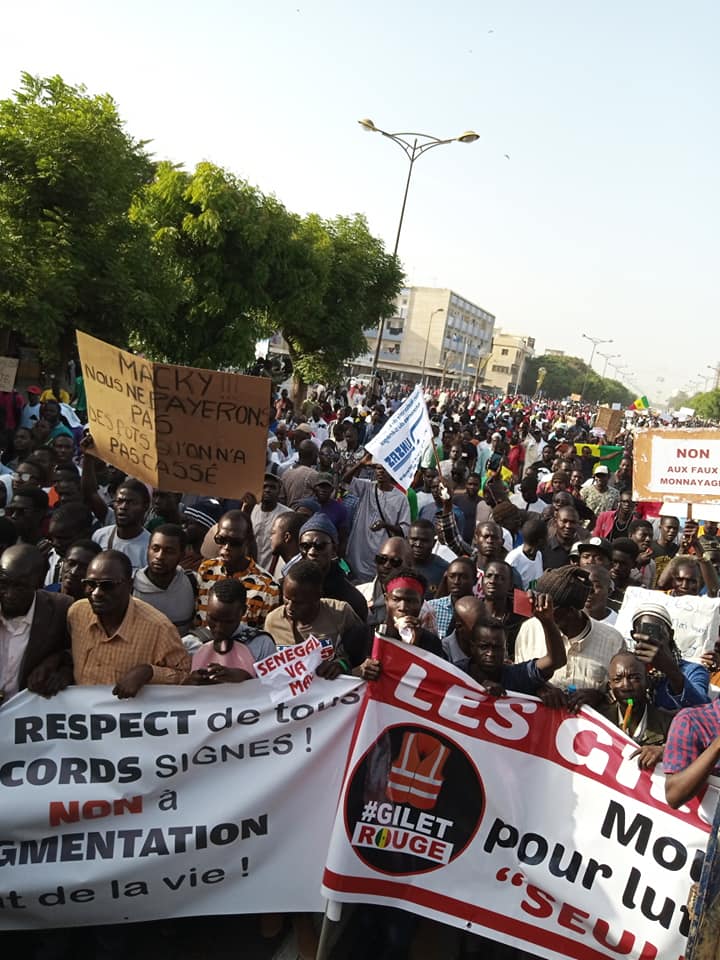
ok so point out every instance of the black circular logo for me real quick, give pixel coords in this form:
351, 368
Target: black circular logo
414, 802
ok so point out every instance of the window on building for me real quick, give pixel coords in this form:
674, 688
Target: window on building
504, 352
498, 368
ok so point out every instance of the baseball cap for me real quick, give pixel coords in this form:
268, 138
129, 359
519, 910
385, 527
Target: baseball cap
36, 391
601, 469
303, 428
594, 543
323, 478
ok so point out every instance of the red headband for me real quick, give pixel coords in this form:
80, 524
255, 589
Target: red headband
407, 583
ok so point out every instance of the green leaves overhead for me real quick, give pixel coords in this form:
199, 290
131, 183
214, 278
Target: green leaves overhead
189, 267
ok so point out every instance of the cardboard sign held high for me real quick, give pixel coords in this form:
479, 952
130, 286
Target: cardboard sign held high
177, 428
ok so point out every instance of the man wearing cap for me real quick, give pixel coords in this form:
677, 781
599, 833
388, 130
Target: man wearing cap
31, 411
264, 513
677, 682
297, 481
318, 542
590, 553
599, 496
335, 510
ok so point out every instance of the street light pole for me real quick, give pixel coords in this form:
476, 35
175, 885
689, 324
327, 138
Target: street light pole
413, 149
607, 357
427, 341
596, 341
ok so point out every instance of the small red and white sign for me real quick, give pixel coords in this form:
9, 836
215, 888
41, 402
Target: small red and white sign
290, 671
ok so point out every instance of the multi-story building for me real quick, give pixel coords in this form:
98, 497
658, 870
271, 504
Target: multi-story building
434, 336
507, 361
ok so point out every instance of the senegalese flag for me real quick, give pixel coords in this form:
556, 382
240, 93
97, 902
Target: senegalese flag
600, 450
641, 403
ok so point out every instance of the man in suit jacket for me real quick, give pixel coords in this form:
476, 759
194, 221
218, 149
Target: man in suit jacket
631, 710
34, 641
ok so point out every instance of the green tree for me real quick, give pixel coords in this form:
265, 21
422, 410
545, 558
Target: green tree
225, 243
705, 405
567, 375
356, 283
69, 256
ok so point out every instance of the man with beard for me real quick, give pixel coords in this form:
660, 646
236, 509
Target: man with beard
318, 542
263, 515
128, 534
163, 583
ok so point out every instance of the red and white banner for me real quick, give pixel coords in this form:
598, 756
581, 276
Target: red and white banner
510, 820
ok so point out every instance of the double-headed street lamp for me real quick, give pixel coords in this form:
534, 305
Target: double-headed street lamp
607, 357
427, 341
413, 145
596, 341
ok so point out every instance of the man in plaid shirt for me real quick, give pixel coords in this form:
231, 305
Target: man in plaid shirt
692, 752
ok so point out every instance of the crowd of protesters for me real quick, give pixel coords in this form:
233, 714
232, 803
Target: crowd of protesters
105, 581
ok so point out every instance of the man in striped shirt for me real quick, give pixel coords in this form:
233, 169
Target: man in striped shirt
233, 560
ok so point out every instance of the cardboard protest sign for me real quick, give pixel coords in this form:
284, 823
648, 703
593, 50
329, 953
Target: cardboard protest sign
191, 801
610, 421
291, 670
177, 428
679, 465
399, 445
510, 820
8, 373
696, 620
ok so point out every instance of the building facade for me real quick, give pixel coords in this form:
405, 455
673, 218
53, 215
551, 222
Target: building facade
505, 368
435, 336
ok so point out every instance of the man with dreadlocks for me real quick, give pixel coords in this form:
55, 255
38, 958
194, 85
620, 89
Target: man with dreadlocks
590, 645
675, 682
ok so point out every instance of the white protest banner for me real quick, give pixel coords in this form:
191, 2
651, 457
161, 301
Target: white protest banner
696, 620
8, 373
185, 801
509, 820
291, 670
677, 465
400, 444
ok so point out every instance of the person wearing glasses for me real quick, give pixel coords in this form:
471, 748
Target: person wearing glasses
128, 534
119, 640
232, 541
393, 555
28, 511
318, 542
33, 627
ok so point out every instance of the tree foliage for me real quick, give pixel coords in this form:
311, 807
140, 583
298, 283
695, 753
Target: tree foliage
567, 375
69, 256
355, 283
705, 405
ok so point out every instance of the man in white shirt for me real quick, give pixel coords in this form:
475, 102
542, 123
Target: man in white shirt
128, 534
33, 625
590, 645
264, 513
527, 558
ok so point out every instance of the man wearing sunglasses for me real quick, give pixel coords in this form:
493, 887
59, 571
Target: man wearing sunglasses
318, 542
118, 640
233, 560
395, 554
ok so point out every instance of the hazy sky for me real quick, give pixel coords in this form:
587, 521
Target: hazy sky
603, 221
